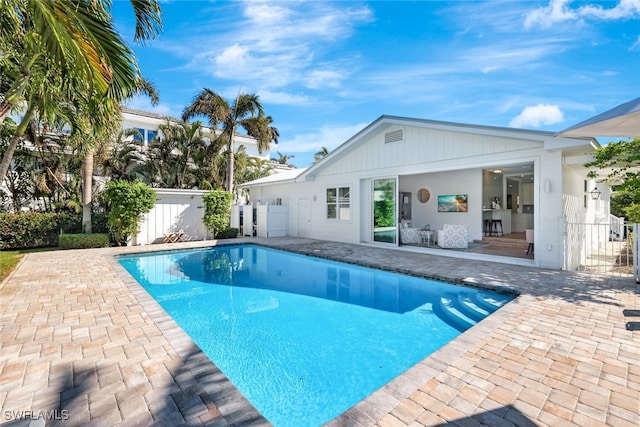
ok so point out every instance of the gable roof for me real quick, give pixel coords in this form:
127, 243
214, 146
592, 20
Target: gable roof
277, 178
387, 121
545, 138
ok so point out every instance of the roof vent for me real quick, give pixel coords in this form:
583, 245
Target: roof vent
394, 136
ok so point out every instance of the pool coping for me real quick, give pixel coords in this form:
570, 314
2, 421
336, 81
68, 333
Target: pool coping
75, 331
229, 399
232, 404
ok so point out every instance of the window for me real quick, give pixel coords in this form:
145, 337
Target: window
151, 135
338, 206
139, 135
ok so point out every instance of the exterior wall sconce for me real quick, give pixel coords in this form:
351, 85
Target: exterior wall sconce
547, 186
595, 193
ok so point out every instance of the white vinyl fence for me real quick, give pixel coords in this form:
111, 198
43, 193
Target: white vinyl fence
262, 220
609, 248
175, 211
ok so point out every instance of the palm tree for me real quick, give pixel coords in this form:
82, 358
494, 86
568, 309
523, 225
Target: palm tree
169, 160
283, 159
320, 154
210, 163
246, 112
76, 41
251, 168
120, 158
94, 124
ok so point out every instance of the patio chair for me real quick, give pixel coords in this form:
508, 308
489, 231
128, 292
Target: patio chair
408, 235
453, 237
528, 233
174, 236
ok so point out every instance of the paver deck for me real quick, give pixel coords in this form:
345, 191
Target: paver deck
83, 343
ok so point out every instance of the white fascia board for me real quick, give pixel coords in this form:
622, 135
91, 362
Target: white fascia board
179, 192
555, 143
144, 122
577, 160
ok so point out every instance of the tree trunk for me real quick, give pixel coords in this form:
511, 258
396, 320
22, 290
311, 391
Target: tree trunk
87, 186
230, 162
13, 144
5, 107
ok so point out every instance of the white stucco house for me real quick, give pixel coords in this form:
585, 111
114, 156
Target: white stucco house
530, 180
147, 124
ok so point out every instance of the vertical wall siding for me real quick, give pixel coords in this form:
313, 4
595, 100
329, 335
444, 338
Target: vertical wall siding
424, 146
173, 213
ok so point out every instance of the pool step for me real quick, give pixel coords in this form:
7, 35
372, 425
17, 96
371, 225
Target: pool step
467, 305
449, 310
464, 310
486, 302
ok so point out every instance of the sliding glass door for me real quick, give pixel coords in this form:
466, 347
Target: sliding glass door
384, 210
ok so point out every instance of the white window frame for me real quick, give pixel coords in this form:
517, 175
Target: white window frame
342, 203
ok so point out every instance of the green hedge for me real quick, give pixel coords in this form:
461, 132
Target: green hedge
29, 230
41, 229
217, 211
228, 233
82, 241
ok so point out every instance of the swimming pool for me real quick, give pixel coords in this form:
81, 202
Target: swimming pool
304, 338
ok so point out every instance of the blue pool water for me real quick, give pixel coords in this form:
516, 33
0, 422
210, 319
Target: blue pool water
303, 338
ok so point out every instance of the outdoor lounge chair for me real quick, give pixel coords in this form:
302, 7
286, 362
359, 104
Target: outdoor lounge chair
174, 236
453, 237
408, 235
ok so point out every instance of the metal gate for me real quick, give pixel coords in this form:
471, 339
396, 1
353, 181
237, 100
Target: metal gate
609, 248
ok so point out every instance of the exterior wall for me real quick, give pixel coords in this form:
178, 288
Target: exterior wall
174, 210
580, 212
306, 204
443, 161
444, 150
547, 210
143, 123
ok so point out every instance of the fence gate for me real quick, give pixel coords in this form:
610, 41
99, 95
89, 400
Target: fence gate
604, 248
636, 252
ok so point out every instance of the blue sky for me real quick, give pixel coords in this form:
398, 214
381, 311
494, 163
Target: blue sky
324, 70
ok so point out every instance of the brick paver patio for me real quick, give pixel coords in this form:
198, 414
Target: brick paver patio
82, 342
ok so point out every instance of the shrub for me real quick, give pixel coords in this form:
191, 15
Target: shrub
127, 201
99, 223
217, 212
70, 222
29, 230
82, 241
227, 233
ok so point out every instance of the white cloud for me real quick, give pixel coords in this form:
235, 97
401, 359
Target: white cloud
326, 136
282, 98
324, 78
545, 17
263, 13
623, 10
558, 11
279, 45
489, 69
234, 56
538, 115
